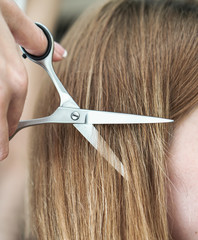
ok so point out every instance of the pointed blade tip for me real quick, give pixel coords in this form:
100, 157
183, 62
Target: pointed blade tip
164, 120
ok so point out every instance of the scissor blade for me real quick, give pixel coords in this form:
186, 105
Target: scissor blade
101, 117
92, 136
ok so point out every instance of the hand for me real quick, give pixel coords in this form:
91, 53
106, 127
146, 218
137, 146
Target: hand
15, 26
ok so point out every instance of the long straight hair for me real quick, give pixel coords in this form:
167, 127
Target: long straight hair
126, 56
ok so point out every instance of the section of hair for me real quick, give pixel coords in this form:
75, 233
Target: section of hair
128, 56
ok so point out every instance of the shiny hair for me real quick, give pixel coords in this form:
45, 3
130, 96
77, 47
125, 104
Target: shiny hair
135, 57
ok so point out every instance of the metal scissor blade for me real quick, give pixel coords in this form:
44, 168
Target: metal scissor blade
93, 137
102, 117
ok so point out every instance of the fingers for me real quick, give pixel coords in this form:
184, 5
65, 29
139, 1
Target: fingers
13, 86
26, 33
59, 52
13, 89
17, 100
10, 112
16, 26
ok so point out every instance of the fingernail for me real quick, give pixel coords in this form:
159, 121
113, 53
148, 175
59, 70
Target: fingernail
64, 54
60, 50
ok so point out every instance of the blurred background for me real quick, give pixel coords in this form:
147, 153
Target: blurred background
69, 11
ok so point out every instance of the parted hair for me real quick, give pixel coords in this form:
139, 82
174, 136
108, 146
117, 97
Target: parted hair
137, 57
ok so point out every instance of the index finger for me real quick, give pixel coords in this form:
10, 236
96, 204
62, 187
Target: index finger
25, 32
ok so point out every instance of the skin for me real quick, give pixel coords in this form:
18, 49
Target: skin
16, 27
183, 168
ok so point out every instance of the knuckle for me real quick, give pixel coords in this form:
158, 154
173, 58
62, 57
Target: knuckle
13, 81
19, 80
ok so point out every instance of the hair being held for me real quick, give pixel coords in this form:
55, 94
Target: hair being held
127, 56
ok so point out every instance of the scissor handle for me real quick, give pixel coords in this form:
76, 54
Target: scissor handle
49, 46
45, 61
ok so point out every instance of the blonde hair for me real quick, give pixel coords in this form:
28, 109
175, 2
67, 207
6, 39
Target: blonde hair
127, 56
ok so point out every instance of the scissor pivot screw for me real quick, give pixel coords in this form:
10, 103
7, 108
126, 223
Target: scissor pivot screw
75, 116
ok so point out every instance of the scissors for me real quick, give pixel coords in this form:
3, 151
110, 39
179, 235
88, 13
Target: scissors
82, 119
